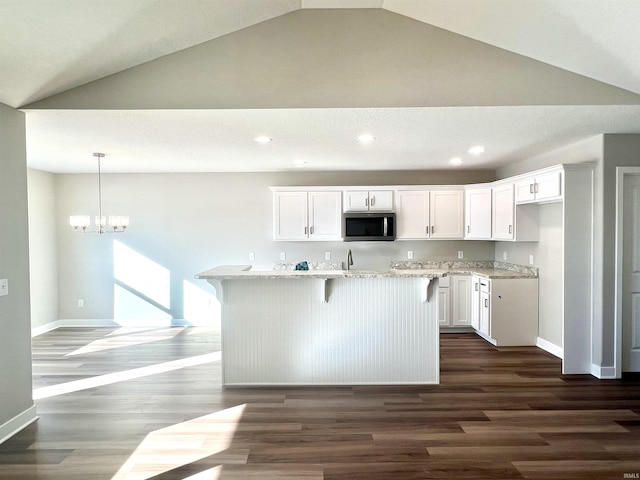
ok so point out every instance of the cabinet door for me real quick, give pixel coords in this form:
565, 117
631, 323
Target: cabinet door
475, 302
380, 200
485, 313
477, 213
447, 214
356, 201
444, 302
503, 212
525, 190
461, 300
325, 209
290, 216
548, 186
412, 214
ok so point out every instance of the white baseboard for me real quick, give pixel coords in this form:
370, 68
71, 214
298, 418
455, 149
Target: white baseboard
603, 373
104, 322
492, 341
17, 423
72, 322
552, 348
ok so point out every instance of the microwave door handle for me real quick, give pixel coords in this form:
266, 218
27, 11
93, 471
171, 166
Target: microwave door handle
385, 227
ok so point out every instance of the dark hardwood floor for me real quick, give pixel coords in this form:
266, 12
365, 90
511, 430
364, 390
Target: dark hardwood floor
149, 404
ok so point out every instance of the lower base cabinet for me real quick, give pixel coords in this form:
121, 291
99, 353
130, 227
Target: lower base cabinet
507, 313
454, 301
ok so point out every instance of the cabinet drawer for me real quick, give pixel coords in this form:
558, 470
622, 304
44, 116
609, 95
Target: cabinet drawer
485, 285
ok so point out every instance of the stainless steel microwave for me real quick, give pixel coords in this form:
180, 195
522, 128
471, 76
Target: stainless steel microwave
358, 227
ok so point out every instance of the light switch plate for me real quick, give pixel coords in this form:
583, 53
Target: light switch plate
283, 256
530, 259
327, 255
4, 287
410, 254
460, 254
252, 256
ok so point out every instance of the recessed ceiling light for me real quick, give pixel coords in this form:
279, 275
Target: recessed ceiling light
263, 139
366, 138
476, 150
456, 161
299, 163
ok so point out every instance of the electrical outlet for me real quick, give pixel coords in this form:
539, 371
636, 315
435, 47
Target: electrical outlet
283, 256
252, 256
4, 287
460, 254
410, 254
530, 259
327, 255
504, 256
80, 303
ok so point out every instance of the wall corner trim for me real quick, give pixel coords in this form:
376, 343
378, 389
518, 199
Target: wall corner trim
17, 423
552, 348
603, 373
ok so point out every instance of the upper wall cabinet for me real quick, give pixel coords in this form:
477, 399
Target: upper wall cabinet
368, 201
424, 214
306, 216
544, 186
477, 213
511, 222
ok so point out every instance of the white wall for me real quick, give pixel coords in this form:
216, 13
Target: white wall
43, 248
188, 223
16, 404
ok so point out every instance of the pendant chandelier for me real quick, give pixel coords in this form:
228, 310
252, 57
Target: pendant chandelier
115, 224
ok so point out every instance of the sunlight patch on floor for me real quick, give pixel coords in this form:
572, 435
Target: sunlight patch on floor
184, 443
110, 378
125, 339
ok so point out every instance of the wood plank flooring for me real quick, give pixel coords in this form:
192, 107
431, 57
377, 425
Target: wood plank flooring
135, 404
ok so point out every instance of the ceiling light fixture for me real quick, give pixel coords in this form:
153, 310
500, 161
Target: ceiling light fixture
82, 223
263, 139
476, 150
366, 138
299, 163
455, 161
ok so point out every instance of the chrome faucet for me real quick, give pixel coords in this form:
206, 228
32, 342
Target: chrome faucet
349, 260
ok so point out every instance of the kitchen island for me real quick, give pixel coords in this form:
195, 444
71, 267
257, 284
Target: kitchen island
332, 327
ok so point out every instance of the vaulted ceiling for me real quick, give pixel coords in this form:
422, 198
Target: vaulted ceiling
186, 85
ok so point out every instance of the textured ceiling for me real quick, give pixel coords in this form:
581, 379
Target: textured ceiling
50, 47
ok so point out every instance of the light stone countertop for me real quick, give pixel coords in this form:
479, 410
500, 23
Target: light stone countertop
239, 272
227, 272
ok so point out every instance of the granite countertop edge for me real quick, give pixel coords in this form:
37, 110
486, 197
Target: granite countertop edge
398, 270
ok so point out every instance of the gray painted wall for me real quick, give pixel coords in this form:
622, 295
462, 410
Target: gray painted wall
191, 222
15, 340
340, 58
43, 247
619, 151
547, 252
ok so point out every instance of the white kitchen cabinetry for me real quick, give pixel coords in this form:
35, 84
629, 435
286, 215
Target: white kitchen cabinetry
545, 186
477, 213
511, 222
447, 214
314, 216
474, 304
461, 300
412, 214
423, 214
368, 200
508, 312
503, 212
444, 302
454, 296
